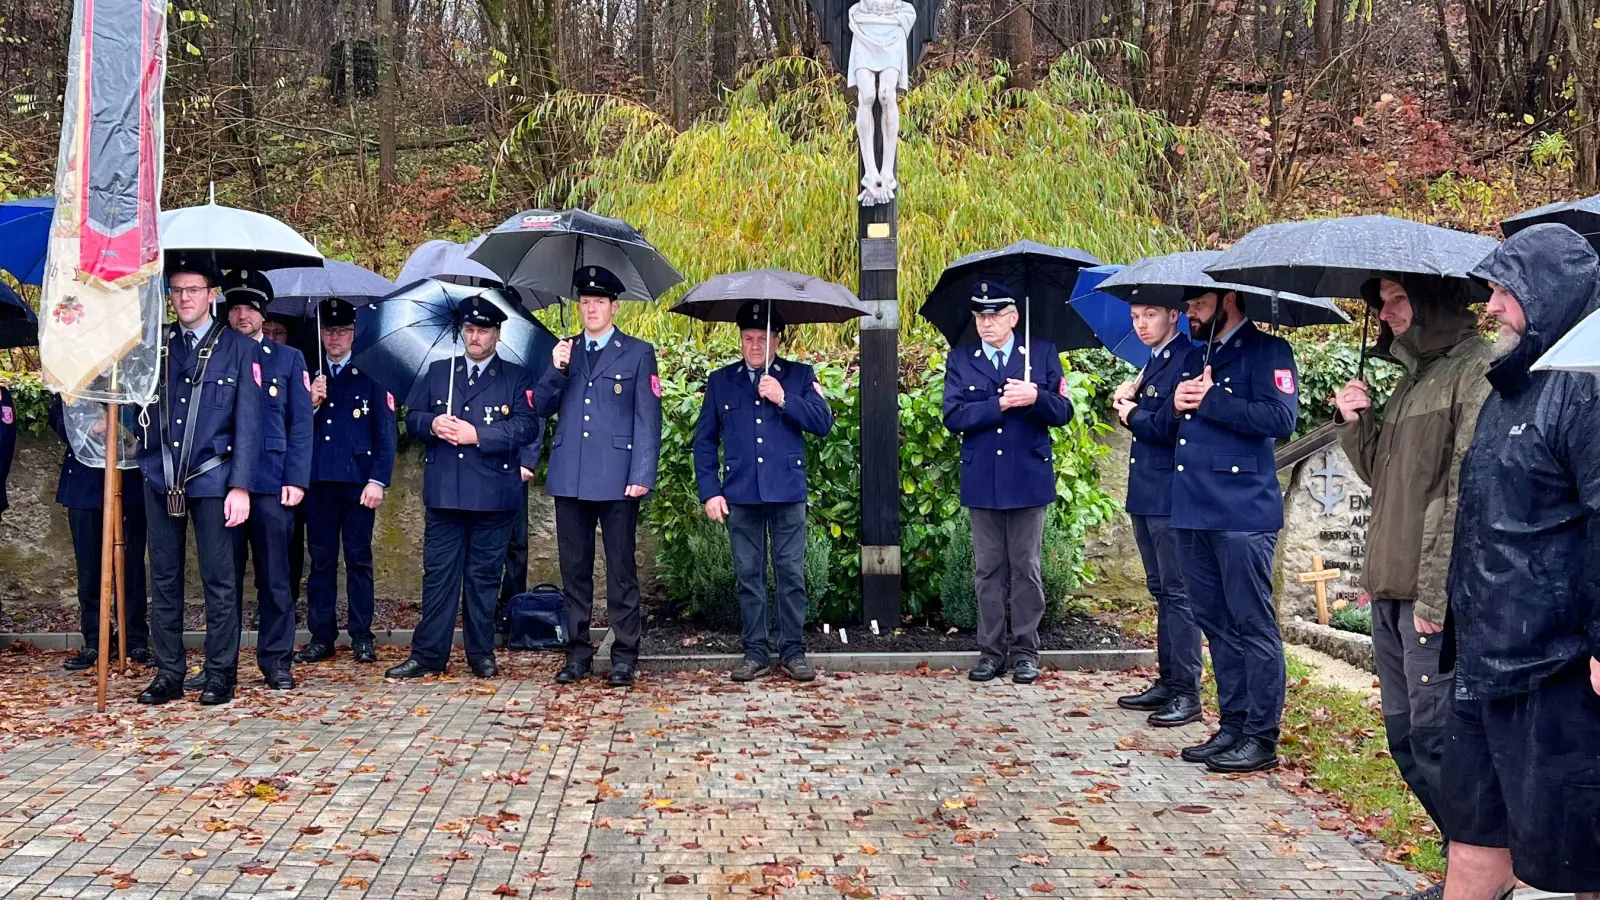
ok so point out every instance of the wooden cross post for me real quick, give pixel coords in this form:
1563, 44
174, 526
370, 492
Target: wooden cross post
1320, 577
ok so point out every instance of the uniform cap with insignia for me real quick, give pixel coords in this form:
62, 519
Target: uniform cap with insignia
482, 313
990, 296
596, 281
246, 287
336, 313
199, 263
754, 315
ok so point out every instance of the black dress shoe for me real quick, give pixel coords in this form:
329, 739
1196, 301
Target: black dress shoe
1180, 710
572, 673
621, 675
1219, 742
83, 661
217, 692
1248, 755
142, 657
163, 688
280, 680
365, 652
986, 670
314, 652
1025, 672
1150, 699
485, 668
195, 682
411, 669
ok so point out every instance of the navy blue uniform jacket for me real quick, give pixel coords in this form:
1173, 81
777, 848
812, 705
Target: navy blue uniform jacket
355, 431
609, 433
8, 443
1226, 478
285, 420
1006, 461
486, 476
228, 422
84, 487
1155, 432
763, 447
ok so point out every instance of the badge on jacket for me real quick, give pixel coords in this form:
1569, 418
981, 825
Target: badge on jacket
391, 401
1284, 379
655, 385
305, 378
7, 415
255, 369
530, 399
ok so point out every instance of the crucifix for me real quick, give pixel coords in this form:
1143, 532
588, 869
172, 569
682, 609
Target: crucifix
1320, 577
874, 44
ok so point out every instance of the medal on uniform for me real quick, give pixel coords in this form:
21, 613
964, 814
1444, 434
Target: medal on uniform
272, 391
505, 410
355, 413
616, 388
364, 409
488, 415
1150, 391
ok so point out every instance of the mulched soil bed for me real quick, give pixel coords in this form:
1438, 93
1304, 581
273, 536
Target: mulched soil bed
19, 619
676, 637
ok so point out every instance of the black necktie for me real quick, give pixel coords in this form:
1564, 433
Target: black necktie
753, 374
336, 368
190, 339
473, 378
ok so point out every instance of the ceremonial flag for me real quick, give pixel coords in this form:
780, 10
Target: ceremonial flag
102, 301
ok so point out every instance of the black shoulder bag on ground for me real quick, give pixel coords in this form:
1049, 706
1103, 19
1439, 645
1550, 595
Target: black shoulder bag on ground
177, 472
537, 620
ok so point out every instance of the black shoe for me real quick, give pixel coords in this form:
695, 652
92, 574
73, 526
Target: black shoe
1219, 742
986, 670
411, 669
1248, 755
485, 668
142, 657
798, 669
280, 680
1025, 672
1180, 710
83, 661
572, 673
621, 675
1150, 699
365, 652
163, 688
315, 651
749, 670
195, 682
217, 692
1436, 892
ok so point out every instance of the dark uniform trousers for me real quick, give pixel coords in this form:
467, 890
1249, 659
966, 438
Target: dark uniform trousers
1178, 637
1228, 508
575, 524
86, 531
265, 539
1006, 545
749, 527
1416, 698
335, 518
216, 548
515, 580
465, 550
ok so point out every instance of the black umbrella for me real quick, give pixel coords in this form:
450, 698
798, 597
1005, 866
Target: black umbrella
450, 261
399, 337
1582, 216
19, 327
799, 299
1173, 279
1045, 276
540, 249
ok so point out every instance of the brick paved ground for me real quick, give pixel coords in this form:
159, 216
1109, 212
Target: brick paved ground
913, 785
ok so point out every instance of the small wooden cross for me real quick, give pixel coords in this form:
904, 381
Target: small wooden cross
1320, 577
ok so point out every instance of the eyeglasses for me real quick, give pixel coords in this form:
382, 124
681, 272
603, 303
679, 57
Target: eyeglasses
189, 291
340, 331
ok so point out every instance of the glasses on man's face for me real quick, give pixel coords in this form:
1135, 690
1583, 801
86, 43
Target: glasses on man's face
189, 291
342, 331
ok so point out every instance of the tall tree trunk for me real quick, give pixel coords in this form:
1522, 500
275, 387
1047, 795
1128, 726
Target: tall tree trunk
387, 177
245, 131
1322, 26
724, 44
686, 37
1011, 38
644, 37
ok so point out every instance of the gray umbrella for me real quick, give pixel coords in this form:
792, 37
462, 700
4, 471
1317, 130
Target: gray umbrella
799, 299
1173, 279
1582, 216
1335, 257
452, 262
540, 249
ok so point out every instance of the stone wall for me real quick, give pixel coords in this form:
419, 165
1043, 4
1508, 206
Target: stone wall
1111, 550
1326, 511
37, 565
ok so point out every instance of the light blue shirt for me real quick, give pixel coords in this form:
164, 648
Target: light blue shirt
199, 333
338, 364
1003, 351
599, 342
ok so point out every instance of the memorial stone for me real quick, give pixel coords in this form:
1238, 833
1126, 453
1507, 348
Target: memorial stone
1326, 511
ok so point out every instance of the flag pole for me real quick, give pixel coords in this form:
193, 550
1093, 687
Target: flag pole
107, 558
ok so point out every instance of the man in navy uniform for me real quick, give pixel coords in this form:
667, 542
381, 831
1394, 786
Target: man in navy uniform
1141, 405
1008, 478
352, 461
80, 490
475, 435
602, 462
283, 472
1238, 394
199, 455
760, 416
276, 328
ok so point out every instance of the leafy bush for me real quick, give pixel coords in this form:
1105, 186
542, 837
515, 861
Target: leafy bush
1352, 618
1060, 567
698, 573
958, 598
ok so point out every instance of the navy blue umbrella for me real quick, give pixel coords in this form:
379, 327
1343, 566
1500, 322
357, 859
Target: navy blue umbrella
24, 237
400, 336
1043, 274
450, 261
1582, 216
1112, 318
19, 327
298, 291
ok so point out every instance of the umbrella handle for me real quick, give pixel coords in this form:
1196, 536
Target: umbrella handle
450, 392
1027, 337
1361, 362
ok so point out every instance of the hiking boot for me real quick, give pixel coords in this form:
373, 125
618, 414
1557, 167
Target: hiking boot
749, 670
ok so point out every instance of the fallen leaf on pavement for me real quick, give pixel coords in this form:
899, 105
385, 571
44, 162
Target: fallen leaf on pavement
350, 881
1194, 810
1042, 887
1104, 845
677, 879
1064, 820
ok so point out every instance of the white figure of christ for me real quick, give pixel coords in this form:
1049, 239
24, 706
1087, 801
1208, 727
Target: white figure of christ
879, 67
